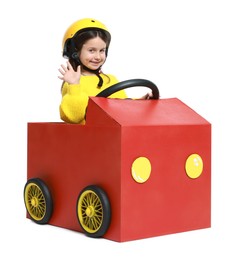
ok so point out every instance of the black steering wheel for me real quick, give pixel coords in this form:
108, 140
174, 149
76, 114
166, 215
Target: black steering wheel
128, 84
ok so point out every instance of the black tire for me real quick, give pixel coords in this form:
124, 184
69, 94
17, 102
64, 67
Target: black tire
93, 211
38, 201
128, 84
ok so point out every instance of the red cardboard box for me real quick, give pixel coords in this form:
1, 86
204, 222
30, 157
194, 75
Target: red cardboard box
152, 158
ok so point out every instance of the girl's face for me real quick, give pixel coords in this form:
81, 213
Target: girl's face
93, 53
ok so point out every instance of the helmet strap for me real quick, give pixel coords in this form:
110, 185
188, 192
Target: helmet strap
97, 72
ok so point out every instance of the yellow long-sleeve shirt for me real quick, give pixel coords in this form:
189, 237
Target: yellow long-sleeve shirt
75, 96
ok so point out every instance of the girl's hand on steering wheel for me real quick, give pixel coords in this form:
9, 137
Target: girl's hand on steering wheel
147, 96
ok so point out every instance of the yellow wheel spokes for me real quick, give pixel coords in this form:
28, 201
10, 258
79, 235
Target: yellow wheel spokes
90, 211
35, 201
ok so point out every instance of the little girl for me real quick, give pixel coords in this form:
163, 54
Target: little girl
85, 45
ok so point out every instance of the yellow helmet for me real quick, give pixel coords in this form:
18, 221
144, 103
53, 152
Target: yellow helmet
79, 26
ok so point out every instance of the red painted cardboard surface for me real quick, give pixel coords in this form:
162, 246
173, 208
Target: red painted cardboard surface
70, 157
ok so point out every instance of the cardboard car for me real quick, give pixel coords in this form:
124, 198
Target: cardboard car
136, 169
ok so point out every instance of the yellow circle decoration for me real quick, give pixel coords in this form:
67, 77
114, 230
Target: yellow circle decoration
141, 169
194, 166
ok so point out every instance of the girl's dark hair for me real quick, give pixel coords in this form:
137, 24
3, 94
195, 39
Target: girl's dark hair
79, 40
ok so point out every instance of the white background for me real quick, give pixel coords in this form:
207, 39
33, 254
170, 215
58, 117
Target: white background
188, 48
